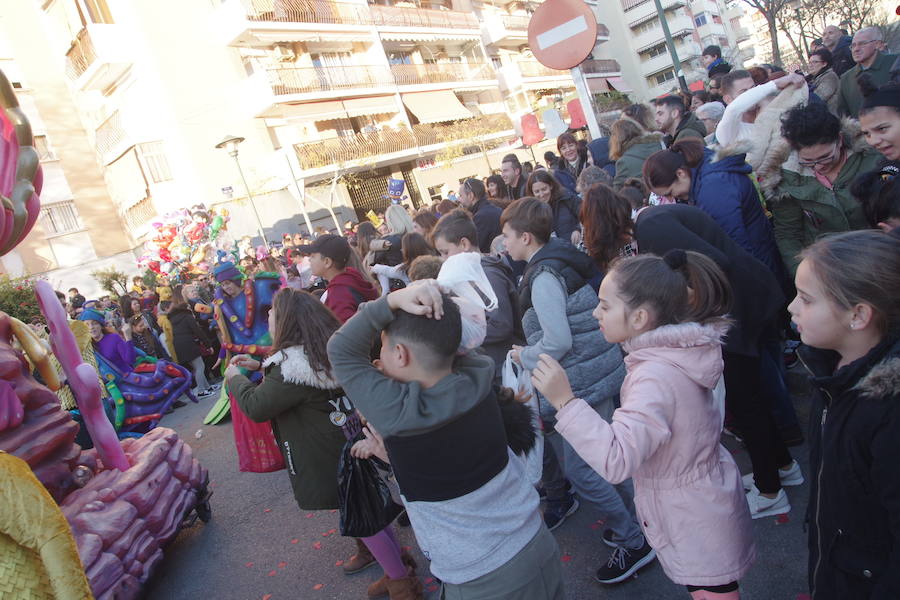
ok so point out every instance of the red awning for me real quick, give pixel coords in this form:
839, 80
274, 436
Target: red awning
531, 131
577, 119
619, 84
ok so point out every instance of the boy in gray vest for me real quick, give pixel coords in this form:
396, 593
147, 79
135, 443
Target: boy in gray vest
557, 303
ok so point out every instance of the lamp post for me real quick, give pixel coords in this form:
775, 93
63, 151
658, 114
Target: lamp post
231, 143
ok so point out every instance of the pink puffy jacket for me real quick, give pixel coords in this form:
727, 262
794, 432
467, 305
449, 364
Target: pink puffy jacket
688, 490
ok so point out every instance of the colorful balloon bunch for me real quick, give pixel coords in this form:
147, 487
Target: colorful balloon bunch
187, 241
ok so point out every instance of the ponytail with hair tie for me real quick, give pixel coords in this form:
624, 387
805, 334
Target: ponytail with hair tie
675, 259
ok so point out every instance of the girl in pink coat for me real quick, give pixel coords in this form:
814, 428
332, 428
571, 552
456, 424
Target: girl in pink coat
668, 315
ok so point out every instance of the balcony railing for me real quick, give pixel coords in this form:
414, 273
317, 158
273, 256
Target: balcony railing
291, 80
110, 134
532, 68
313, 155
440, 73
516, 22
308, 11
81, 55
601, 66
399, 16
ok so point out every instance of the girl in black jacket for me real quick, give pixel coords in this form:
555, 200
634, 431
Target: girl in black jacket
187, 337
847, 310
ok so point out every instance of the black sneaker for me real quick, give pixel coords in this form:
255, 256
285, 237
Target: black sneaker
555, 515
609, 539
623, 563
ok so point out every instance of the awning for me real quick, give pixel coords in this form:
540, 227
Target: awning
598, 84
370, 106
619, 84
407, 36
316, 111
435, 107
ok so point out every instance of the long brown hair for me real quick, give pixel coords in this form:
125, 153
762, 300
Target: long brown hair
661, 168
622, 132
302, 320
606, 217
544, 176
365, 233
413, 245
680, 287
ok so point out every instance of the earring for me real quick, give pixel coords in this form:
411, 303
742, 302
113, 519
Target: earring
852, 326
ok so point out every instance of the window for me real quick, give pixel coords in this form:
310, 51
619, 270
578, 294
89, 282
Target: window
654, 52
700, 19
717, 19
665, 76
60, 218
43, 148
154, 161
648, 26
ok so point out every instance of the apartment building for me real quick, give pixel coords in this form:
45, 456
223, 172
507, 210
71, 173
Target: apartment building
640, 46
78, 229
331, 99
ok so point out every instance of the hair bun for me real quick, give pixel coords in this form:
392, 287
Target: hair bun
675, 259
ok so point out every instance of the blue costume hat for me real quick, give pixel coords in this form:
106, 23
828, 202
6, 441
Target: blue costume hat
226, 271
92, 315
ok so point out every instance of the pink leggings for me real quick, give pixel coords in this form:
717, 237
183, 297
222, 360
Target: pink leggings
386, 550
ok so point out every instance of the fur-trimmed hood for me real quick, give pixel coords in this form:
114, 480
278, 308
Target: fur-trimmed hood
648, 138
295, 368
883, 381
694, 348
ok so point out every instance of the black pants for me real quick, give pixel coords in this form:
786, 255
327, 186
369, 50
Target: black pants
752, 414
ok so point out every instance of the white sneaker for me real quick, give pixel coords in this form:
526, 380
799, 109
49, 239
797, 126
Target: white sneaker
792, 476
760, 506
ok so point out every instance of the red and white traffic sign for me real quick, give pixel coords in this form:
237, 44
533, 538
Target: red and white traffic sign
562, 33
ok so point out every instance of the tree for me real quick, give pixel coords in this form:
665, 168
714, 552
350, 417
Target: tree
771, 10
111, 280
806, 20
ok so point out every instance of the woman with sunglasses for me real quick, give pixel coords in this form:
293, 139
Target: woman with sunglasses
811, 194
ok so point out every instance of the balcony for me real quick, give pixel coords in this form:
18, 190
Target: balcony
400, 23
462, 75
368, 146
286, 81
265, 22
98, 57
532, 68
628, 5
657, 64
516, 22
604, 67
111, 139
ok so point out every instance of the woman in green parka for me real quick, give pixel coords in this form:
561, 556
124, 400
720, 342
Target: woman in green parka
304, 404
630, 145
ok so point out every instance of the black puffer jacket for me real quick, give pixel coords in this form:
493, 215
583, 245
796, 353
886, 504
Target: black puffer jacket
854, 507
185, 333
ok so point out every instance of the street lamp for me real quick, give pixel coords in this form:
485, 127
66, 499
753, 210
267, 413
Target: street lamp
231, 143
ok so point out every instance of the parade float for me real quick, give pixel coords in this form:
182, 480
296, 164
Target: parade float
74, 523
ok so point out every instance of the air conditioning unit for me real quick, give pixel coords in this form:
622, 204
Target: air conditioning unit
285, 54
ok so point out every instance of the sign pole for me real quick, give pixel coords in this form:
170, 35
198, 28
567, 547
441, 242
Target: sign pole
587, 102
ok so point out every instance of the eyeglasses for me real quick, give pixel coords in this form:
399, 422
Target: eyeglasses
861, 44
823, 161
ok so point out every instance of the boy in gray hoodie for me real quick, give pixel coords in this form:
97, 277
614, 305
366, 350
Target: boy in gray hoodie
474, 514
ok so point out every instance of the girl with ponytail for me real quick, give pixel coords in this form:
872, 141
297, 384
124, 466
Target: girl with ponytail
669, 315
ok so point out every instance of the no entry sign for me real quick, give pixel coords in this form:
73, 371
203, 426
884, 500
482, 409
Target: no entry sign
562, 33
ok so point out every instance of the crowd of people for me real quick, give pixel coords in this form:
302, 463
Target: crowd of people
654, 284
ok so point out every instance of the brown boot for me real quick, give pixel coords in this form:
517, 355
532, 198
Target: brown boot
379, 589
405, 588
360, 561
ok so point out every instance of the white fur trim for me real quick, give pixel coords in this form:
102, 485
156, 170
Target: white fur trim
295, 368
680, 335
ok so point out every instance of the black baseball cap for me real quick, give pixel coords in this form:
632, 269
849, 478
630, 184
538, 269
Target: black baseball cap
335, 247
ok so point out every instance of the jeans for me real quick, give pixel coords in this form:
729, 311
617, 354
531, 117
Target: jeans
615, 502
774, 386
199, 369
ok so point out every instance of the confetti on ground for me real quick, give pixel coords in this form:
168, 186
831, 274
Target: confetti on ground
803, 597
318, 586
407, 548
429, 580
267, 510
432, 588
782, 519
566, 557
267, 597
333, 511
595, 525
282, 565
295, 541
249, 564
329, 532
338, 563
272, 573
310, 515
317, 545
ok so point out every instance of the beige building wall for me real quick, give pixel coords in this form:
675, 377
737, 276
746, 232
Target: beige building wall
72, 173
